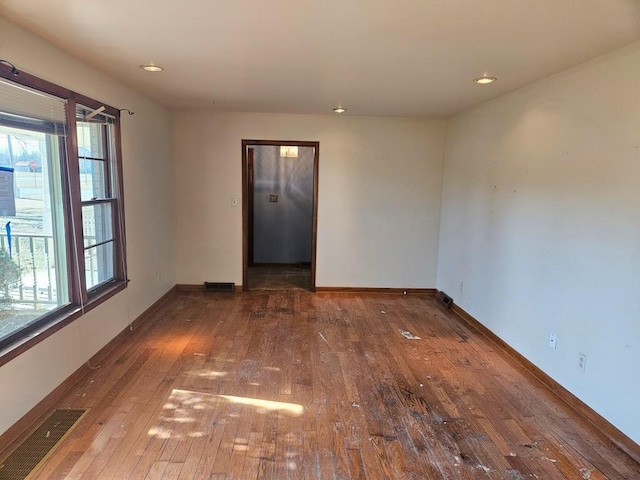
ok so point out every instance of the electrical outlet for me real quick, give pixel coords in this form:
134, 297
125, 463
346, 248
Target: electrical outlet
582, 362
553, 341
234, 202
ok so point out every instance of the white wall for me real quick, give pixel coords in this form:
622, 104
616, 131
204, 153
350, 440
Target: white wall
150, 222
379, 195
540, 227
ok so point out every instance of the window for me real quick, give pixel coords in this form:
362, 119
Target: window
97, 164
61, 208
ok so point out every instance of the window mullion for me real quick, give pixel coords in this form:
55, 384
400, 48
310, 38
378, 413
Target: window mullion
108, 155
76, 239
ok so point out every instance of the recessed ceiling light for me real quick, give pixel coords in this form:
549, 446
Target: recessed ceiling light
151, 68
339, 109
485, 80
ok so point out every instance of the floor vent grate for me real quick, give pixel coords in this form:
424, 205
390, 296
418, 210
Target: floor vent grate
219, 287
445, 299
39, 444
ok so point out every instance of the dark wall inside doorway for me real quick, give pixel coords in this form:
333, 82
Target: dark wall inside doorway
283, 229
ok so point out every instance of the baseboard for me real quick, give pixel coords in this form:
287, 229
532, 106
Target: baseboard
189, 287
9, 439
577, 406
401, 291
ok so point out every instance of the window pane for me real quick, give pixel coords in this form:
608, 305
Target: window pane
99, 263
96, 162
33, 256
90, 139
97, 223
92, 179
92, 155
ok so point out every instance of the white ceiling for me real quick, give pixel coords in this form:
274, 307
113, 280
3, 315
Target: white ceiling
375, 57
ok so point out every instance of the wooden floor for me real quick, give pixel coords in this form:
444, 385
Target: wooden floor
285, 385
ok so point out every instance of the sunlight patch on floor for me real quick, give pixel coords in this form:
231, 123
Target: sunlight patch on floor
263, 406
209, 374
183, 414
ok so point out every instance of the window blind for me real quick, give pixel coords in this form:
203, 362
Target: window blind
23, 107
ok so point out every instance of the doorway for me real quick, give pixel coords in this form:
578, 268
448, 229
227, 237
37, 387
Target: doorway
279, 214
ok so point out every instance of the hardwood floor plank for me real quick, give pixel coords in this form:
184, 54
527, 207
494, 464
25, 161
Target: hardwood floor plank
267, 460
356, 466
310, 468
251, 465
157, 471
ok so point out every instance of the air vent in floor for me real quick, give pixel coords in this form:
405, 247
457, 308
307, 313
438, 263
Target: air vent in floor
445, 299
219, 287
39, 444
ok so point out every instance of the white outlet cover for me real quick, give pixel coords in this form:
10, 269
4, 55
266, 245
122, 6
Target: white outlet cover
582, 362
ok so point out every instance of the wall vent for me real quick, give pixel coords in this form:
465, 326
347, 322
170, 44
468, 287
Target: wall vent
219, 287
445, 299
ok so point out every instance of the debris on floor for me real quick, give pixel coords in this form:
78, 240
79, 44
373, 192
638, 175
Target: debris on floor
586, 473
408, 335
514, 474
322, 336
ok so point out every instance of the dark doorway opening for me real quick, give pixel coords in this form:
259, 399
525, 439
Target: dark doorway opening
280, 197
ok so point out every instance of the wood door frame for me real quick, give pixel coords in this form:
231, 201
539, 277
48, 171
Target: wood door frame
245, 203
249, 151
